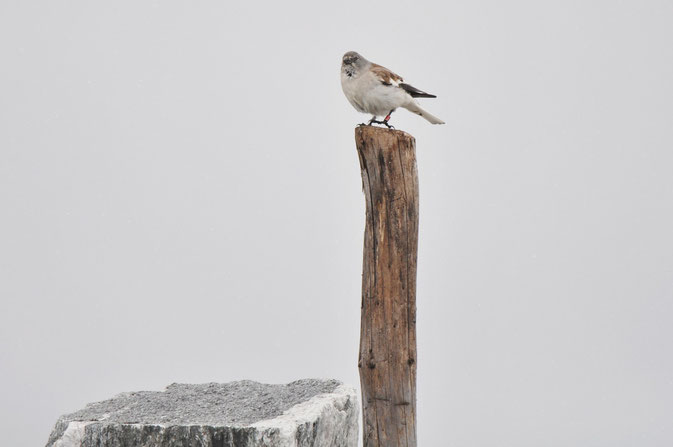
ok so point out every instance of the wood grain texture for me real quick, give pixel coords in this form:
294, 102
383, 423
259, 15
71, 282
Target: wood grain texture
387, 360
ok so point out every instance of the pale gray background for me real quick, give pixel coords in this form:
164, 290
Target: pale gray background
180, 201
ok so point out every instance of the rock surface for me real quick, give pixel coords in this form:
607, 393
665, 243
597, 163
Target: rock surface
305, 413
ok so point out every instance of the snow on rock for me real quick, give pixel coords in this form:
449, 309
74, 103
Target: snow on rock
304, 413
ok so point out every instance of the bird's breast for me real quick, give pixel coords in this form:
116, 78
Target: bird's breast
351, 88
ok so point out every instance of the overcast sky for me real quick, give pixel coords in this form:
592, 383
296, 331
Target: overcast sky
180, 201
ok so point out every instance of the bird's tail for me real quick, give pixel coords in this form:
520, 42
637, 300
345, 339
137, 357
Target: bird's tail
412, 106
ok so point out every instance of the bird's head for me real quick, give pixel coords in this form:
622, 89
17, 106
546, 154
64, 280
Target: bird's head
354, 59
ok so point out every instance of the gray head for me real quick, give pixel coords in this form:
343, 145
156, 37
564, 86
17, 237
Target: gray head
353, 59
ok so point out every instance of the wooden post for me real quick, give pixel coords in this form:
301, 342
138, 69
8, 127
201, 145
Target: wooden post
387, 361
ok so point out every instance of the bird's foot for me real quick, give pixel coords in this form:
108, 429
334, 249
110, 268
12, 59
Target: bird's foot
384, 122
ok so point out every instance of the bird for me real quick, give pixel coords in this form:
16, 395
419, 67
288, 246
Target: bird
374, 89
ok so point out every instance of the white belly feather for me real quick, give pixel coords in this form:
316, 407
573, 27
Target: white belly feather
368, 95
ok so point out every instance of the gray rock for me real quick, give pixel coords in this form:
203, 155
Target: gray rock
305, 413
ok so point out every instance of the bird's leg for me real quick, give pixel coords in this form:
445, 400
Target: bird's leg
387, 118
373, 120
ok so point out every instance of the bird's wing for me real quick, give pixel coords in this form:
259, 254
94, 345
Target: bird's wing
414, 92
386, 76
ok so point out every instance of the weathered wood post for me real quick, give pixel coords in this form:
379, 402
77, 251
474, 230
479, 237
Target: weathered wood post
387, 361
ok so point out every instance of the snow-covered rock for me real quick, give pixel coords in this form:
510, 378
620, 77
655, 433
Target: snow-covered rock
305, 413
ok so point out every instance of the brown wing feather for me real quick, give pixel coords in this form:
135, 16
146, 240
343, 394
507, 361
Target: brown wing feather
385, 76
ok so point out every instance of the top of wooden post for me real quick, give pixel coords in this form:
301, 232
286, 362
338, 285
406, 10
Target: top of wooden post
371, 132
